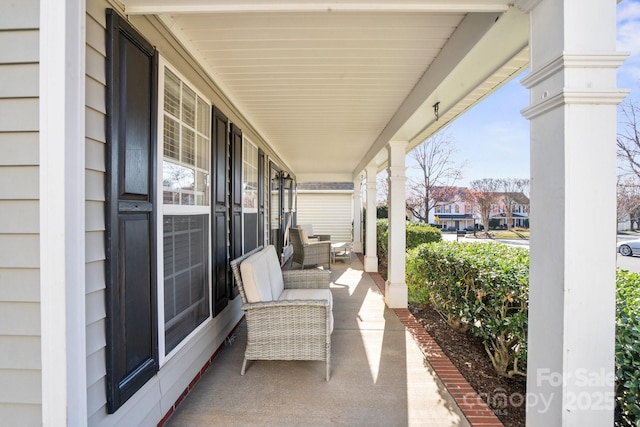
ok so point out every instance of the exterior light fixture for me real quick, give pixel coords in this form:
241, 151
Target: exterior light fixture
436, 110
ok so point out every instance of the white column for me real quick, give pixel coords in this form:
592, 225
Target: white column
371, 257
570, 371
62, 210
396, 287
357, 215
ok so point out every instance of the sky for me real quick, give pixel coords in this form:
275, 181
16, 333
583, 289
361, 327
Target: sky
493, 137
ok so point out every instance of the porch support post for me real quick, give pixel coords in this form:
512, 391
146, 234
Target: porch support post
371, 258
570, 373
396, 287
357, 215
62, 213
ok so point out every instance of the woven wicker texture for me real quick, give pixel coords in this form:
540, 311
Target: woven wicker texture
288, 330
313, 253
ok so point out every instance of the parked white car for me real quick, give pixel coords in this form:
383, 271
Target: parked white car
629, 247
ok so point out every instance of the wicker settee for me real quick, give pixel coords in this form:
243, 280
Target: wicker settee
289, 313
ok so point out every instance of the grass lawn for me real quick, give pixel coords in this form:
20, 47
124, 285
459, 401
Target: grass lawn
504, 234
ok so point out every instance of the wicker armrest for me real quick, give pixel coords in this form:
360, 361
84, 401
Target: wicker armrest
306, 279
285, 303
322, 237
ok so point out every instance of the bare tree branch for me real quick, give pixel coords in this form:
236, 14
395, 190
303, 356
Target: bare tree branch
483, 194
513, 195
438, 172
628, 140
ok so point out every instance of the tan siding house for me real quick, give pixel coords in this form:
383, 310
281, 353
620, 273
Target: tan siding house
20, 362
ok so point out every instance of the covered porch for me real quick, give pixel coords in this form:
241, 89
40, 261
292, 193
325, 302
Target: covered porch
321, 92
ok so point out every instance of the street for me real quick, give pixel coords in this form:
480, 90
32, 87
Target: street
631, 263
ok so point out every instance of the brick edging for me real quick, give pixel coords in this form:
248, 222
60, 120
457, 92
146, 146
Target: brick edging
472, 406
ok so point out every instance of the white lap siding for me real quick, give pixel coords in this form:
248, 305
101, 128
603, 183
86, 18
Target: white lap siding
330, 212
95, 140
20, 364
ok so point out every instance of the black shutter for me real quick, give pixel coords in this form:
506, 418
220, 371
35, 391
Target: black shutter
261, 207
236, 199
220, 210
131, 328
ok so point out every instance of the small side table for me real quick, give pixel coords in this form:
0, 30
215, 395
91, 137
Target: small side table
341, 250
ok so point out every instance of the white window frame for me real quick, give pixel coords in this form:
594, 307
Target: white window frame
175, 210
248, 143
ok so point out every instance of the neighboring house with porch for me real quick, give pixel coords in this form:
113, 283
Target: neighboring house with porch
519, 209
459, 213
455, 212
146, 143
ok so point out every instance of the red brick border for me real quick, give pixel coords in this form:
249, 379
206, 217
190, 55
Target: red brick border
472, 406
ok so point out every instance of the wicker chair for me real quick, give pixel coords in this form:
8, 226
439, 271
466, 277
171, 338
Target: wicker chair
297, 325
306, 252
308, 228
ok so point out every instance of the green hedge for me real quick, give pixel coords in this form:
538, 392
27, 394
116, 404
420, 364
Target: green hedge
417, 233
479, 288
483, 289
627, 348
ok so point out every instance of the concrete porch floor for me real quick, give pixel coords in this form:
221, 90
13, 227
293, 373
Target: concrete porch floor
378, 374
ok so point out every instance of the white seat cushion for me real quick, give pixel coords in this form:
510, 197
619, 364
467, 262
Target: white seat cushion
275, 272
304, 237
310, 294
256, 278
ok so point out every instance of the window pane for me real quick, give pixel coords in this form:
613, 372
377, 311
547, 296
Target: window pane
171, 93
171, 138
188, 146
188, 107
186, 290
178, 183
204, 117
202, 153
202, 188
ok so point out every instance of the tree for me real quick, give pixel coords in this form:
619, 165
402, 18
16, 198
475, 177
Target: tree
628, 198
628, 140
513, 195
628, 150
483, 194
382, 188
438, 172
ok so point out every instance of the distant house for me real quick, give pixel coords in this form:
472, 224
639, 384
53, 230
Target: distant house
459, 213
519, 213
454, 213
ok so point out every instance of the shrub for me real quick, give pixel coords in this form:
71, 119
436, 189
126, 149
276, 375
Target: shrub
484, 289
382, 226
627, 345
416, 234
480, 288
419, 233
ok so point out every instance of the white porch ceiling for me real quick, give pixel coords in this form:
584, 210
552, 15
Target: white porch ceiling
327, 84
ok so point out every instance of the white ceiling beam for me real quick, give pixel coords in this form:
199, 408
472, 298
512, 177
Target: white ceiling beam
156, 7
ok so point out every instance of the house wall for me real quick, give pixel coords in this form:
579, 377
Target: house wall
20, 364
158, 395
328, 212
